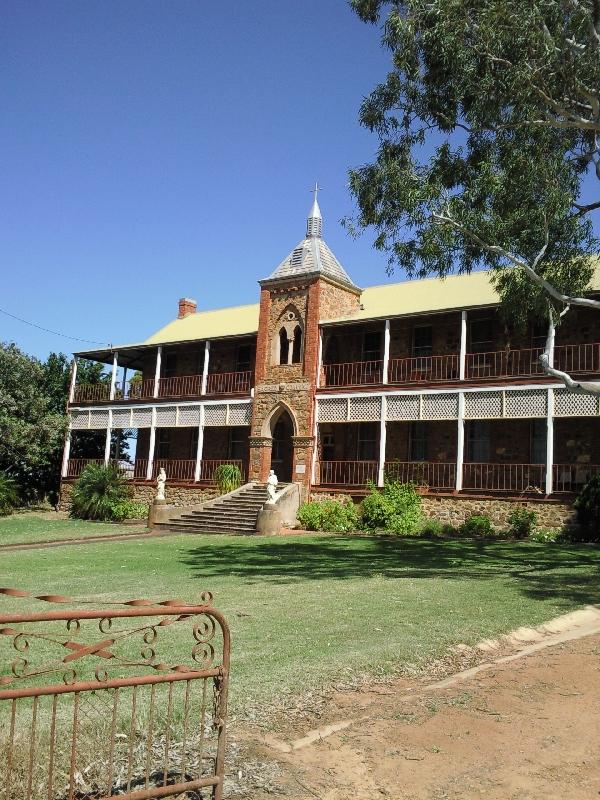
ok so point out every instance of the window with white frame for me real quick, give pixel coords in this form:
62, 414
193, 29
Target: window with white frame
478, 441
418, 440
163, 443
372, 346
368, 435
238, 443
538, 441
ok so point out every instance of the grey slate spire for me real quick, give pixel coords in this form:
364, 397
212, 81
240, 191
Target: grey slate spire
312, 256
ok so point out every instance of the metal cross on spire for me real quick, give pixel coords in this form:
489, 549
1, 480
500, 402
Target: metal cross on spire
314, 222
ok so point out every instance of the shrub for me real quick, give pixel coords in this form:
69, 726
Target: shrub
228, 477
587, 505
478, 526
97, 490
521, 522
545, 535
9, 494
395, 508
335, 516
434, 529
128, 509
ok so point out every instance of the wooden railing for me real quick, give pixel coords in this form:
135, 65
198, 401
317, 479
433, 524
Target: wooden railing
354, 373
580, 359
504, 364
76, 465
504, 477
424, 369
572, 477
134, 390
229, 382
91, 393
177, 469
180, 386
347, 473
431, 474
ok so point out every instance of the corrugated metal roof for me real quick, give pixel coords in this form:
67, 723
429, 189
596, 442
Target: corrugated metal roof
233, 321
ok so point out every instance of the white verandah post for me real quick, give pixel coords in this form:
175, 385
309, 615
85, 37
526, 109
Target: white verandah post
73, 379
108, 438
157, 371
550, 442
151, 446
460, 441
200, 446
113, 377
382, 442
320, 358
66, 452
386, 352
462, 358
205, 366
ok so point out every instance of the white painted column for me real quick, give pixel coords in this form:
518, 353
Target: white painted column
151, 446
382, 442
205, 366
123, 387
462, 359
200, 446
157, 371
320, 358
460, 441
550, 443
108, 436
386, 351
313, 470
73, 380
66, 452
113, 377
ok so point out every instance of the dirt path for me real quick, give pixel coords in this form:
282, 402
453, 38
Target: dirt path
527, 728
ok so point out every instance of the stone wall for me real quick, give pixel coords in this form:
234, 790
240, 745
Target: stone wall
176, 495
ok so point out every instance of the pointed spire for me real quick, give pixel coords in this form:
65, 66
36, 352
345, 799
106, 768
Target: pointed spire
314, 223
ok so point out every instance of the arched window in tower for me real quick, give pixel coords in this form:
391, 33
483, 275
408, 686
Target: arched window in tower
284, 346
297, 345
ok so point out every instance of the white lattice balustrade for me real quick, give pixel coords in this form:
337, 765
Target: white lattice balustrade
332, 409
365, 409
440, 406
240, 414
527, 403
403, 407
483, 405
215, 415
574, 404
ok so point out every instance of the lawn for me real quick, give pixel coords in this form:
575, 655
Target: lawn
38, 526
309, 609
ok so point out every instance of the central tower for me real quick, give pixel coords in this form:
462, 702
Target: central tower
308, 285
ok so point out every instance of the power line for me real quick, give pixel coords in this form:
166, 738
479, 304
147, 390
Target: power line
54, 333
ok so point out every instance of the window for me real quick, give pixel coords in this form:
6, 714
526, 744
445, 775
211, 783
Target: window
244, 358
297, 345
170, 365
194, 443
538, 441
238, 443
332, 351
284, 346
277, 448
163, 444
327, 447
423, 340
482, 336
367, 441
478, 441
418, 441
372, 346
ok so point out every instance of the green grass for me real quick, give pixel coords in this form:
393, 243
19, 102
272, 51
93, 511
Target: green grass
307, 610
32, 526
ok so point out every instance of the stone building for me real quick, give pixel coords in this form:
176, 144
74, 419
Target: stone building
335, 386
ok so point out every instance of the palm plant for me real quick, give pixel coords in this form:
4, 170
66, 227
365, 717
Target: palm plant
228, 477
9, 494
97, 490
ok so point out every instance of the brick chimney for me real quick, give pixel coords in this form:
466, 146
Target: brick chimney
186, 306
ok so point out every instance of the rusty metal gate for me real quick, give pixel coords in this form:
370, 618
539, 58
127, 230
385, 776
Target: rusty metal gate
127, 701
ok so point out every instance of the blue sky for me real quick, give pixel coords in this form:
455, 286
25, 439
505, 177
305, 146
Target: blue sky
152, 150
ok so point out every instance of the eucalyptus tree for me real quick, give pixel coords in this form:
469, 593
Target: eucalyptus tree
488, 124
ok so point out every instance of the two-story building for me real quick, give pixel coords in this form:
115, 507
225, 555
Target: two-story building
333, 386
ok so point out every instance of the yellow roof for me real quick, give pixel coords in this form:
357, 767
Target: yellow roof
428, 295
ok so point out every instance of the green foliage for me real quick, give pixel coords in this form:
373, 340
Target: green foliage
228, 477
587, 505
128, 509
97, 491
478, 526
545, 535
395, 508
9, 494
521, 523
335, 516
434, 529
486, 134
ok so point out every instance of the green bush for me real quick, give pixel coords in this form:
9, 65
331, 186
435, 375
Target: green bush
545, 535
587, 505
521, 523
228, 477
434, 529
395, 508
9, 494
335, 516
97, 490
128, 509
478, 526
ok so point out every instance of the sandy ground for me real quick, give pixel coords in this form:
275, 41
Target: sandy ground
528, 728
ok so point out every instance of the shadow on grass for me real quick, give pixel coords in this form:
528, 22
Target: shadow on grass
569, 572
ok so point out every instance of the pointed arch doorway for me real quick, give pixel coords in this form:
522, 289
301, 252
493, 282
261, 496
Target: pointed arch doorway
282, 448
